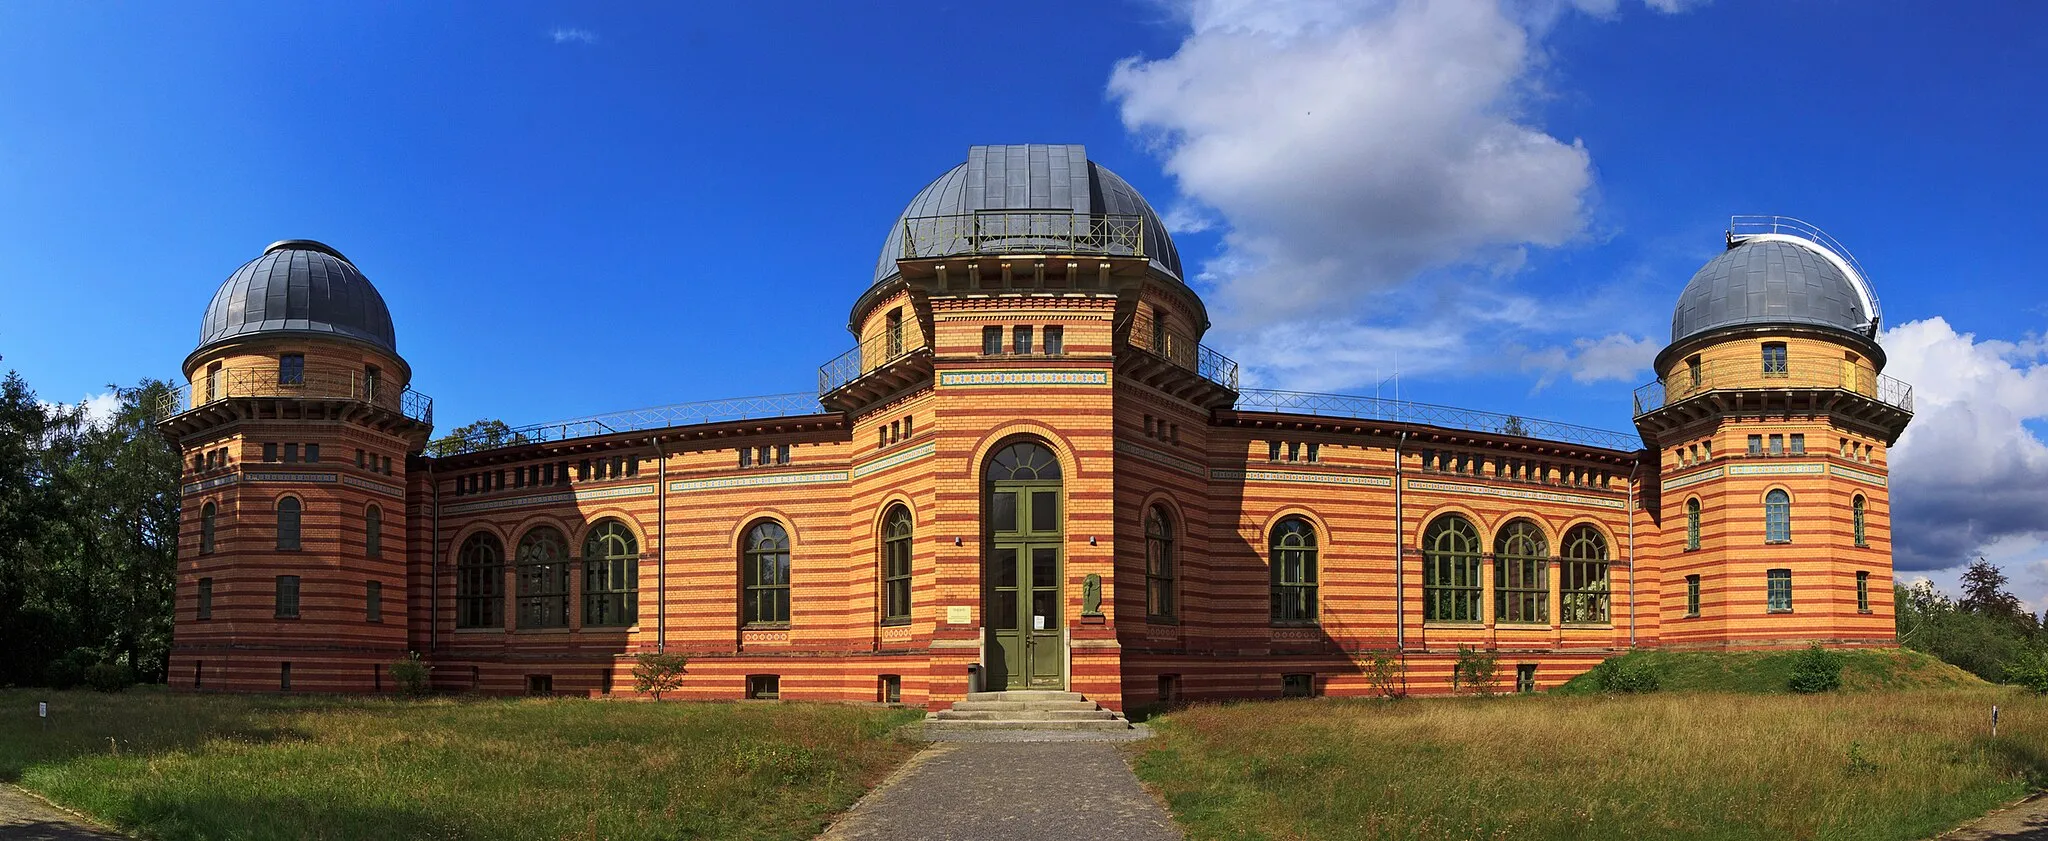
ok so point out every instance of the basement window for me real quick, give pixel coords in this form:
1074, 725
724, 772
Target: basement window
764, 687
891, 689
540, 684
1298, 685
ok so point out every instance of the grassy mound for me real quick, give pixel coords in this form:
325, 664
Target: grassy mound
1863, 669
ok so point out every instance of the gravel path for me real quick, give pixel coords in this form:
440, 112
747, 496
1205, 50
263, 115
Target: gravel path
26, 817
2025, 821
1020, 791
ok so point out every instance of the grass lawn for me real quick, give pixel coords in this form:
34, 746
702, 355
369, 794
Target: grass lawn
1863, 765
179, 766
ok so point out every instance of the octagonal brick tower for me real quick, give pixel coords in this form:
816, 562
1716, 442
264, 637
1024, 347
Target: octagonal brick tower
295, 422
1772, 420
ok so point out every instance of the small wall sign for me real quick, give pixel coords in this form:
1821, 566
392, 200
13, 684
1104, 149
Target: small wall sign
959, 616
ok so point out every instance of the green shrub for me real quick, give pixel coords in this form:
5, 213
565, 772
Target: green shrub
411, 675
658, 673
2030, 672
1475, 671
109, 677
68, 671
1626, 676
1818, 670
1388, 674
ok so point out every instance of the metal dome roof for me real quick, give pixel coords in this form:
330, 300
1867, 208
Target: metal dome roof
1038, 176
1775, 279
298, 286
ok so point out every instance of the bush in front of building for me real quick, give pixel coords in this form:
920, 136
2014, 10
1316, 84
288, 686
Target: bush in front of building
109, 677
1818, 670
657, 673
2030, 672
1475, 671
411, 675
68, 671
1626, 676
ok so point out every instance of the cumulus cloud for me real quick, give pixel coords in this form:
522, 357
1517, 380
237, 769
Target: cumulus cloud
1346, 148
1968, 474
572, 35
99, 408
1616, 356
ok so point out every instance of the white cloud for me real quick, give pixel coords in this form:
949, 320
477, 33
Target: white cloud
1968, 474
1616, 356
569, 35
99, 408
1347, 148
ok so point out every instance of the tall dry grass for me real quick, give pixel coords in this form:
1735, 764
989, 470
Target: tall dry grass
1879, 765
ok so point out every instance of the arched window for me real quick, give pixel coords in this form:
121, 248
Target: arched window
1856, 512
373, 532
543, 576
1582, 584
896, 533
611, 576
1692, 524
1023, 461
1159, 569
1777, 516
1521, 574
288, 523
1451, 589
764, 570
1293, 565
206, 518
480, 583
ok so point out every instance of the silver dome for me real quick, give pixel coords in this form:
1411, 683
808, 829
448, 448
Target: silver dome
298, 286
1036, 176
1774, 280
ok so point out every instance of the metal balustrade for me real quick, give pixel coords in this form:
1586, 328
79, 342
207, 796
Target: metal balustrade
1022, 232
1398, 411
1805, 371
874, 352
1182, 350
635, 420
314, 382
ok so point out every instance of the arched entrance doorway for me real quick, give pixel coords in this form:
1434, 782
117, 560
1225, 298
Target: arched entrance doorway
1022, 596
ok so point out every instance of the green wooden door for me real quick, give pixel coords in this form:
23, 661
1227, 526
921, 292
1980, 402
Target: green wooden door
1022, 575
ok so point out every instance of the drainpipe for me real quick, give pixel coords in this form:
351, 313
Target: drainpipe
1634, 468
434, 546
660, 544
1400, 540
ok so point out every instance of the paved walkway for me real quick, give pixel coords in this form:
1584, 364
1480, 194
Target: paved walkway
26, 817
1022, 791
2025, 821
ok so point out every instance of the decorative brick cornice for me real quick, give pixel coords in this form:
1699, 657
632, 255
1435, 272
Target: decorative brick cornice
1524, 494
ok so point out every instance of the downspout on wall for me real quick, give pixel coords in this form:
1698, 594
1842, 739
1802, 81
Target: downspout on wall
434, 546
1400, 527
660, 544
1634, 469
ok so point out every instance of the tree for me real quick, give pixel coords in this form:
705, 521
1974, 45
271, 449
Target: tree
1984, 593
1513, 426
657, 673
485, 434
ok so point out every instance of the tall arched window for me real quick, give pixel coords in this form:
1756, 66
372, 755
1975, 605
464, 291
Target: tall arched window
896, 533
1692, 524
1451, 589
543, 576
288, 523
1583, 582
1777, 516
206, 518
764, 570
1293, 565
1159, 571
373, 532
1856, 512
611, 576
1521, 574
480, 583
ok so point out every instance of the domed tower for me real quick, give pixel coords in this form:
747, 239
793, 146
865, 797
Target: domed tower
295, 423
1772, 420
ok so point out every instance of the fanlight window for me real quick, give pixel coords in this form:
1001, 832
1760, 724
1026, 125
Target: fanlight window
480, 583
1293, 565
1024, 461
543, 577
611, 576
1583, 588
1451, 589
1692, 524
1159, 565
1856, 512
1777, 516
288, 523
206, 518
1521, 569
896, 543
764, 570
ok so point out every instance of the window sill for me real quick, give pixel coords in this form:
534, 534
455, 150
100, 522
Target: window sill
1777, 543
1171, 621
896, 623
1866, 611
766, 627
1454, 626
479, 630
1588, 626
561, 630
1690, 616
1518, 625
606, 629
1777, 610
1296, 623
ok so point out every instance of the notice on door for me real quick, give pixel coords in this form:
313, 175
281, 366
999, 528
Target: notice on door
1038, 623
959, 616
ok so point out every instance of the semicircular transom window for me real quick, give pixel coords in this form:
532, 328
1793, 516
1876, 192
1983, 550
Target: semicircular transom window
1024, 461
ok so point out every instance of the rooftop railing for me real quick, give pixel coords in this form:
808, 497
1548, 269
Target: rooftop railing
1800, 371
1022, 232
308, 382
1471, 420
636, 420
873, 352
1744, 226
1182, 350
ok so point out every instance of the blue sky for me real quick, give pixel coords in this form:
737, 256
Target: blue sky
574, 209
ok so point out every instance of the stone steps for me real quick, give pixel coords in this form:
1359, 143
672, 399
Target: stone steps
1026, 695
1027, 715
1024, 710
995, 706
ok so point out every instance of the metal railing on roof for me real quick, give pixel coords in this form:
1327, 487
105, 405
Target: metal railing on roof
1399, 411
873, 352
1744, 226
1794, 372
305, 382
1023, 232
635, 420
1181, 349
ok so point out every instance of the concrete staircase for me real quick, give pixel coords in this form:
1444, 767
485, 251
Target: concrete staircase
1025, 710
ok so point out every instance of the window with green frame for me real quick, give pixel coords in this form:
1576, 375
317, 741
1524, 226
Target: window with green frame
1293, 563
542, 574
1778, 590
287, 597
611, 576
1777, 516
1451, 589
1856, 514
288, 510
1692, 595
1159, 563
480, 583
1692, 524
1862, 592
1521, 574
1583, 579
1775, 363
764, 572
896, 544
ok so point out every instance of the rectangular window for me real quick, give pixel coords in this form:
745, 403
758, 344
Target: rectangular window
1777, 445
540, 684
1055, 340
633, 467
216, 383
284, 677
205, 598
313, 453
291, 453
747, 456
361, 458
1862, 592
1779, 590
1272, 451
891, 691
764, 687
894, 328
1293, 451
583, 470
1756, 445
1692, 595
1583, 592
782, 450
1798, 443
763, 455
1692, 367
1525, 677
387, 465
291, 369
287, 597
1298, 686
906, 426
1314, 450
1020, 340
1775, 364
991, 340
373, 601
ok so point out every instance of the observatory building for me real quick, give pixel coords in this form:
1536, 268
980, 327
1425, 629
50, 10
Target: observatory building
1028, 473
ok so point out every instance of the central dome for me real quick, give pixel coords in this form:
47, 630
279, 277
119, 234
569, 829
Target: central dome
1775, 280
298, 286
1038, 176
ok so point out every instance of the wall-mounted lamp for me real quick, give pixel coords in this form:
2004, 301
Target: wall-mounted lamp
1091, 540
956, 540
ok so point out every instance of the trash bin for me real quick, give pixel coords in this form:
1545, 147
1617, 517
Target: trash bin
974, 677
